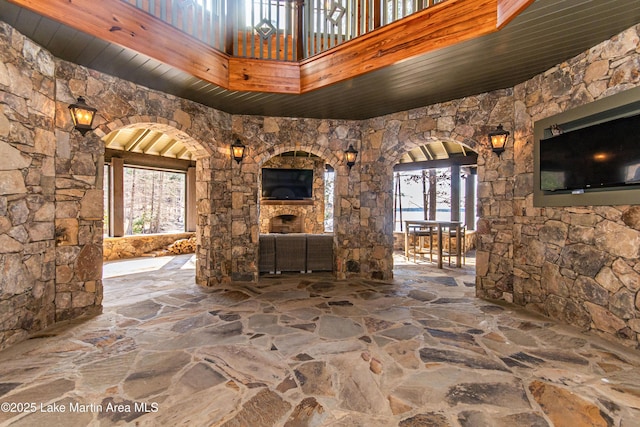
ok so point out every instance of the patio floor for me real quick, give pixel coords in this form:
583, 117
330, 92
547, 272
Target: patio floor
308, 350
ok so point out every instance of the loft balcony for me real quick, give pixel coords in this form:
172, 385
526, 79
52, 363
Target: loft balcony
281, 46
282, 30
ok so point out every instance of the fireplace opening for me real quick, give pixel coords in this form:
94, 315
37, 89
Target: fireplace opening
286, 223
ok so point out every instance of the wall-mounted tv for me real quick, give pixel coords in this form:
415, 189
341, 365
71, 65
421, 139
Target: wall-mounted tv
287, 184
605, 155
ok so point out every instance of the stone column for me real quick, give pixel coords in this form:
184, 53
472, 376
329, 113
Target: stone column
347, 221
244, 220
79, 222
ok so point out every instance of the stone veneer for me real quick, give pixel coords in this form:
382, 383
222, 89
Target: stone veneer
577, 264
135, 246
312, 214
51, 197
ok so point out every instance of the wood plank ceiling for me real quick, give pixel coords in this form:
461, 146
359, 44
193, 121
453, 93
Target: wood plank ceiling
545, 34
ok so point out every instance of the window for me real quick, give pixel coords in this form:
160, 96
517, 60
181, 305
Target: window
154, 201
329, 184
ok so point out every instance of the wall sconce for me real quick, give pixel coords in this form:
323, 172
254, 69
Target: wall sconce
237, 150
350, 155
82, 115
498, 139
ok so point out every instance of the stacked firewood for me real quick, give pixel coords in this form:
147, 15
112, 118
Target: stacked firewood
183, 246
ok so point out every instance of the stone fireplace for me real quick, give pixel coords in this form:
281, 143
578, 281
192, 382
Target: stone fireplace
286, 223
295, 216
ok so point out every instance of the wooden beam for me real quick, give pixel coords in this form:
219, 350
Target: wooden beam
191, 210
435, 164
133, 144
148, 161
125, 25
455, 192
264, 76
116, 198
439, 26
154, 140
470, 202
509, 9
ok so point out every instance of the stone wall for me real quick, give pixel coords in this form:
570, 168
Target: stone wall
28, 188
51, 197
267, 137
312, 214
138, 245
577, 264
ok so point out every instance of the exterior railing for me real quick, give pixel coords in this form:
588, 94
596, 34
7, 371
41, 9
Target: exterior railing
284, 30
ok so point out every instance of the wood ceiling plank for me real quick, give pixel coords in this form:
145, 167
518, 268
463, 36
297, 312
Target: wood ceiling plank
128, 26
152, 141
442, 25
436, 27
168, 147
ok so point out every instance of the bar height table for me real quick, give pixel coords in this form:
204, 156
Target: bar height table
439, 225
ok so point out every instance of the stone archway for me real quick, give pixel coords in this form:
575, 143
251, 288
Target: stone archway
200, 153
391, 137
439, 178
300, 216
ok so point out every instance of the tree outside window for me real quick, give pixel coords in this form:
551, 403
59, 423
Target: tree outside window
154, 201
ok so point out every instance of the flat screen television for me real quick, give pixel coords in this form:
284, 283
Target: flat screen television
605, 155
287, 184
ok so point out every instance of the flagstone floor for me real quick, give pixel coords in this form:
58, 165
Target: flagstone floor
307, 350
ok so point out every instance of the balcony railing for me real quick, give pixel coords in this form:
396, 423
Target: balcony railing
283, 30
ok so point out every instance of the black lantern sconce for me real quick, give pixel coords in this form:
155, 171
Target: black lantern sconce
237, 150
82, 115
498, 139
351, 155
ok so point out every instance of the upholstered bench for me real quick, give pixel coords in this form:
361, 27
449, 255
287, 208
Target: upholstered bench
267, 253
295, 252
291, 250
319, 252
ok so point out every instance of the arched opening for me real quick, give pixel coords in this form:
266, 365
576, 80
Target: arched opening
149, 187
295, 213
435, 203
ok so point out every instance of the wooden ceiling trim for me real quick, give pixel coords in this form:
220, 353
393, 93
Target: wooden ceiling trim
436, 164
182, 152
436, 27
264, 76
426, 151
153, 141
125, 25
509, 9
134, 142
148, 161
168, 147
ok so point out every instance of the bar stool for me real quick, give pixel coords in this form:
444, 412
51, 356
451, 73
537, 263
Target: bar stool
453, 240
419, 234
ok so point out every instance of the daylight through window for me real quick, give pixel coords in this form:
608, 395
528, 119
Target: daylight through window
154, 201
